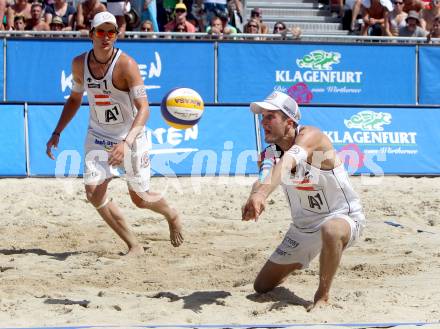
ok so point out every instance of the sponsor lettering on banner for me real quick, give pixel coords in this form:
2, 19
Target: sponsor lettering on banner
370, 134
316, 72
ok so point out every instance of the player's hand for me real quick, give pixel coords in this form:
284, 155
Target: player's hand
52, 142
116, 154
254, 206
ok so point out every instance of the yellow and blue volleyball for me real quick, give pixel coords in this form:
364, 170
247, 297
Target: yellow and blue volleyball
182, 108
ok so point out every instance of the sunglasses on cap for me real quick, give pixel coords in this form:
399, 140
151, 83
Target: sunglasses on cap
101, 33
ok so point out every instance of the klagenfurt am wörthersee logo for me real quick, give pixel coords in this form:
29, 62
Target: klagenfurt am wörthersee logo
374, 132
317, 70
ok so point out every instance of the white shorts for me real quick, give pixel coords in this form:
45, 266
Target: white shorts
301, 247
135, 168
116, 8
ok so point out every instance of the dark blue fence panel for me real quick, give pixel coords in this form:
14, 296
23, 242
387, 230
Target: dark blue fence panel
328, 74
12, 152
40, 70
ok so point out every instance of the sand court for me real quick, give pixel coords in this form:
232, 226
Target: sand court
60, 265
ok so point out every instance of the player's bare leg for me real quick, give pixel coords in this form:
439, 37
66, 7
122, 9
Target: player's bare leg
335, 236
109, 211
155, 202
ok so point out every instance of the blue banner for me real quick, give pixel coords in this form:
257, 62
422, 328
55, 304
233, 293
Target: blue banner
324, 74
222, 143
2, 61
209, 148
42, 120
40, 70
429, 70
381, 140
12, 152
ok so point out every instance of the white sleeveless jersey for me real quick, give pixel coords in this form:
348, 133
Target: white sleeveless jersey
112, 111
315, 195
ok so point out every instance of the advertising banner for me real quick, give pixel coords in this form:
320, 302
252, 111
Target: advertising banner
381, 140
222, 143
429, 70
40, 70
12, 152
319, 74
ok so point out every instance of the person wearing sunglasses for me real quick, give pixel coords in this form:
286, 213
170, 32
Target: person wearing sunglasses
396, 19
116, 142
180, 13
257, 14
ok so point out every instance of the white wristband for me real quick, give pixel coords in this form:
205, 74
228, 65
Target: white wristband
298, 153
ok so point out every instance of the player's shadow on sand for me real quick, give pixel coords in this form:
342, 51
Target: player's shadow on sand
196, 300
61, 256
281, 297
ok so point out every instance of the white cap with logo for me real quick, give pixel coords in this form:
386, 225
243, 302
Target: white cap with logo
278, 101
103, 17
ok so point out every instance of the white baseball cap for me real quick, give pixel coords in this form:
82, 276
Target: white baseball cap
278, 101
104, 17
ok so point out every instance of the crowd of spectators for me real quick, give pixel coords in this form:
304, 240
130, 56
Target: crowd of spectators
393, 18
218, 18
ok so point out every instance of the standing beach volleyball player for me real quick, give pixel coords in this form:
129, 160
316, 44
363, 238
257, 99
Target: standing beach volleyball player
116, 138
326, 212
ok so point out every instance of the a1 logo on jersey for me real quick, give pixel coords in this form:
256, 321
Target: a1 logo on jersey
109, 114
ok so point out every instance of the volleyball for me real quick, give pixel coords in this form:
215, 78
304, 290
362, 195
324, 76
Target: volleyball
182, 108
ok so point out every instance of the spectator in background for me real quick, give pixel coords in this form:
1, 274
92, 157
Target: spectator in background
212, 8
19, 23
396, 19
235, 11
374, 17
257, 14
63, 10
220, 28
36, 22
2, 14
412, 28
85, 12
417, 6
118, 8
435, 31
280, 28
180, 13
20, 8
253, 27
149, 13
56, 25
429, 14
